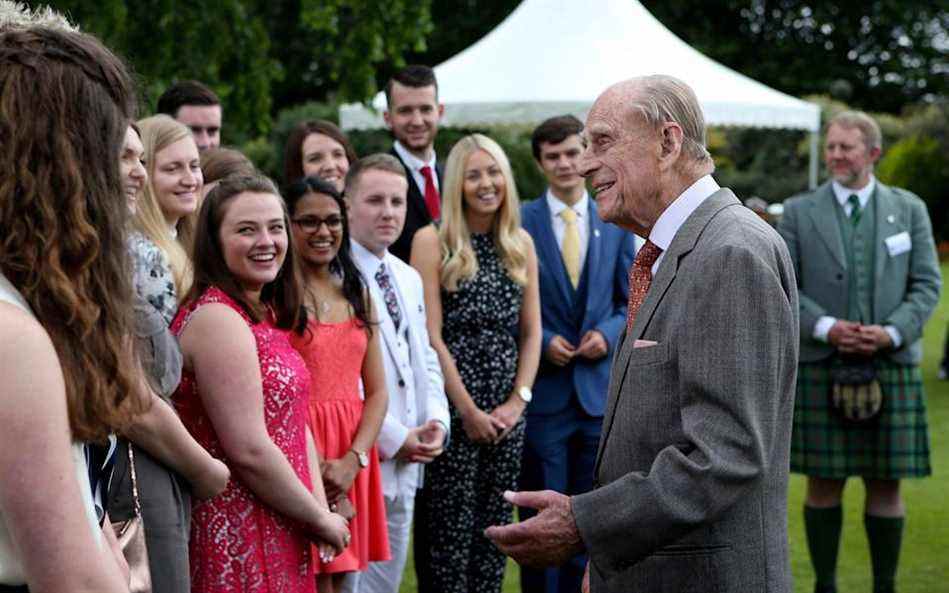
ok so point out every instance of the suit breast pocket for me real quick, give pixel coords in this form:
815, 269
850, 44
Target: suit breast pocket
647, 417
649, 355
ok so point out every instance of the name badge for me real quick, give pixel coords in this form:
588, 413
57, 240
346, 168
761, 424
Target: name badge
898, 243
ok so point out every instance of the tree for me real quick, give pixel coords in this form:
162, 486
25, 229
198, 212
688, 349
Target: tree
333, 48
879, 55
219, 43
258, 55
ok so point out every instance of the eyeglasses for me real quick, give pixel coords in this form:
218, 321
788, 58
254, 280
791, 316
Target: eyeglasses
311, 224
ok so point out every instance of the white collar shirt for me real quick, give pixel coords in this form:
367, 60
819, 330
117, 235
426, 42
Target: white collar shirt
368, 264
863, 194
675, 215
415, 165
582, 210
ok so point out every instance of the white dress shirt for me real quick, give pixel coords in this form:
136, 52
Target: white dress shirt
415, 165
675, 215
582, 210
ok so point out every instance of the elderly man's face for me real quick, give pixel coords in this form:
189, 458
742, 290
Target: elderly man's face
621, 161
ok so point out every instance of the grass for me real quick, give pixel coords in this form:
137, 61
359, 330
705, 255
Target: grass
924, 562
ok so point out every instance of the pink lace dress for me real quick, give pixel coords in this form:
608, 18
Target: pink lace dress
334, 354
238, 544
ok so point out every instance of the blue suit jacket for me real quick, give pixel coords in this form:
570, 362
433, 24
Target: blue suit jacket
605, 283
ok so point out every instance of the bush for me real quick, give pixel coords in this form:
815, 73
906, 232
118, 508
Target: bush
920, 164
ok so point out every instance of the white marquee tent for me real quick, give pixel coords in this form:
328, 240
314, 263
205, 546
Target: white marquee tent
551, 57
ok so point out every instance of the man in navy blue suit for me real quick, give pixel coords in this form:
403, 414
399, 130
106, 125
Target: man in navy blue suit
583, 266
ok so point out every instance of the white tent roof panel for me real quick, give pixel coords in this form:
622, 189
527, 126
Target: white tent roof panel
551, 57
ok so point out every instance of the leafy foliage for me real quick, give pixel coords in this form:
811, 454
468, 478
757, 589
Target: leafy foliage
878, 55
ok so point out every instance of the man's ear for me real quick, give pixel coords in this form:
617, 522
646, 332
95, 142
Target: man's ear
385, 118
670, 142
875, 153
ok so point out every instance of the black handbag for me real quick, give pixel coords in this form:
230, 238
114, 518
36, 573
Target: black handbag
855, 392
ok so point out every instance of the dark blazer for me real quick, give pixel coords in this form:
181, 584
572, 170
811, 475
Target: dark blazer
416, 213
905, 285
604, 283
692, 469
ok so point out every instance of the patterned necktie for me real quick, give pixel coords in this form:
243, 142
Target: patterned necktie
432, 199
570, 248
855, 210
392, 303
640, 277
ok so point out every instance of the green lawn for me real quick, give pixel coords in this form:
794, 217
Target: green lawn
924, 564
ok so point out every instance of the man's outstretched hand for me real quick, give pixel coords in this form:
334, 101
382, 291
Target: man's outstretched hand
549, 538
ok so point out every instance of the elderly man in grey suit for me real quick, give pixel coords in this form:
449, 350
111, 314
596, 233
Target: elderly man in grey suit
692, 468
868, 279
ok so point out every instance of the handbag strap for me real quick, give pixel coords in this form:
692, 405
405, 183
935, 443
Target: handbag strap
135, 501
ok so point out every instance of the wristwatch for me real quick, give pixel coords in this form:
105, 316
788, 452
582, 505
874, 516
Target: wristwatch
361, 456
524, 393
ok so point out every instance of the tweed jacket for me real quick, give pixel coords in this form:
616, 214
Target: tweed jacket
905, 284
692, 469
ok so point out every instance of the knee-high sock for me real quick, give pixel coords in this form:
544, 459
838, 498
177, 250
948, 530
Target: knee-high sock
885, 535
823, 540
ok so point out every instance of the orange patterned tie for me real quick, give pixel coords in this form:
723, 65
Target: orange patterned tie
640, 277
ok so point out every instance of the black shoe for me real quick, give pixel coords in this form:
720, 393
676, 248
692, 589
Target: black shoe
819, 588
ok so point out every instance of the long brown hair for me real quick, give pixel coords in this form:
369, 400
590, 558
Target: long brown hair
293, 156
284, 295
65, 106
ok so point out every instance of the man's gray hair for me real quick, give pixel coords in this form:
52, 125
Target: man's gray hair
14, 15
872, 137
662, 98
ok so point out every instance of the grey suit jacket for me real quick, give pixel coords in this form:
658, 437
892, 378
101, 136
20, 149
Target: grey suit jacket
692, 469
905, 286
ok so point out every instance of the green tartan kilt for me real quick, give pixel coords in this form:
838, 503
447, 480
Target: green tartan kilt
893, 445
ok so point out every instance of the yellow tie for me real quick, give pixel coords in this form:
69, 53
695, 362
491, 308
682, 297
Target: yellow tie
570, 249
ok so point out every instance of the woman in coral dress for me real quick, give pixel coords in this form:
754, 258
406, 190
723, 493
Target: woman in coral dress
243, 396
340, 347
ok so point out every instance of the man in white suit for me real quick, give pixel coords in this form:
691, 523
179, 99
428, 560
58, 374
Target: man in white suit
416, 424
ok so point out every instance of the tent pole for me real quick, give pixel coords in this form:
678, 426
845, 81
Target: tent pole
815, 147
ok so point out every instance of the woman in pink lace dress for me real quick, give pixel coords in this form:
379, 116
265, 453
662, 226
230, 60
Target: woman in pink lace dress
340, 347
243, 396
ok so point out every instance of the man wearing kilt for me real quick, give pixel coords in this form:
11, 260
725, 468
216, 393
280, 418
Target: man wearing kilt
868, 279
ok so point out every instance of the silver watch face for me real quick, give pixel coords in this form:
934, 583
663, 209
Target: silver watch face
363, 459
525, 394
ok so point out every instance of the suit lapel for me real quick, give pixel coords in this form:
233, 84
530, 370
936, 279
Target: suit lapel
416, 208
684, 241
824, 217
386, 326
593, 271
887, 223
551, 253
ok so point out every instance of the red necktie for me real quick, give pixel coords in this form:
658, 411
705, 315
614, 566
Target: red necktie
432, 199
640, 277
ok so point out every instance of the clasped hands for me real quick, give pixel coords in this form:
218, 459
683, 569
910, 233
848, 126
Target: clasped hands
423, 443
850, 337
592, 346
491, 428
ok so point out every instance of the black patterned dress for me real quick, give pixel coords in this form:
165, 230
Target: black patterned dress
463, 487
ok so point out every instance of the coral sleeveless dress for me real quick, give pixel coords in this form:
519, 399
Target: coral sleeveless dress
334, 354
239, 544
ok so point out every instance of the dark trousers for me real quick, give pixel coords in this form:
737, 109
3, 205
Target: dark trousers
559, 454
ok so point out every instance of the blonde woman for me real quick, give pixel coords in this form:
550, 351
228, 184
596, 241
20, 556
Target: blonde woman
479, 272
165, 217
